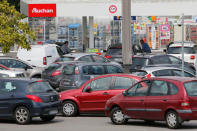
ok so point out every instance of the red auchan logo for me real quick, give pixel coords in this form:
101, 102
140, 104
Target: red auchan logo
42, 10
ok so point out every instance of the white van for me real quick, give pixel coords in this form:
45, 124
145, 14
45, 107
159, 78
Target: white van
40, 55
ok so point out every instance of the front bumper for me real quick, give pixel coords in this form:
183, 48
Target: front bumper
41, 109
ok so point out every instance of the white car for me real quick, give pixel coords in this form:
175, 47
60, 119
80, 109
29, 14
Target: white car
40, 55
152, 71
175, 49
10, 73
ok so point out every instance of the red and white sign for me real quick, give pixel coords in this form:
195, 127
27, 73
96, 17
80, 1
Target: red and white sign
42, 10
113, 9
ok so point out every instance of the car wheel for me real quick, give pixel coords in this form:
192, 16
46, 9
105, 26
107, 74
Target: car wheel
47, 118
22, 115
69, 108
117, 116
172, 120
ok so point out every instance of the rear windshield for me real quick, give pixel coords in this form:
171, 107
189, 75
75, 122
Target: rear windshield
114, 51
178, 50
65, 59
53, 67
39, 87
139, 61
191, 88
69, 69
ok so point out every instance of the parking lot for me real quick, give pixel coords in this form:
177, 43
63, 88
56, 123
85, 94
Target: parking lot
90, 123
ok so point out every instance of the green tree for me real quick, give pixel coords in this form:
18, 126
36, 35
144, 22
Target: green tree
16, 3
12, 29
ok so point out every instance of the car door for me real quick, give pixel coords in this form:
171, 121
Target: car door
95, 99
156, 100
133, 103
6, 98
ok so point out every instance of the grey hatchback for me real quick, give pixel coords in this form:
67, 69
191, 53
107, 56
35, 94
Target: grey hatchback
76, 73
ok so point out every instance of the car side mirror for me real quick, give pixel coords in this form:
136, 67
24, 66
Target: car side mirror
26, 67
124, 93
104, 50
88, 89
164, 50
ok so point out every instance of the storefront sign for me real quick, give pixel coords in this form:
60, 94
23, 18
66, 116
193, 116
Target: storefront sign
165, 32
42, 10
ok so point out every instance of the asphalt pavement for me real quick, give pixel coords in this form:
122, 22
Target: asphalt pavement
90, 123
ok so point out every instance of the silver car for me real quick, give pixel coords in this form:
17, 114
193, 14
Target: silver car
161, 71
19, 65
87, 57
10, 73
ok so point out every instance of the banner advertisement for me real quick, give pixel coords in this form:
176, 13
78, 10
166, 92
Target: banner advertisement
164, 32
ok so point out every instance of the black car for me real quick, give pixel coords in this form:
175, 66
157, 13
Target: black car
114, 52
70, 75
140, 61
22, 99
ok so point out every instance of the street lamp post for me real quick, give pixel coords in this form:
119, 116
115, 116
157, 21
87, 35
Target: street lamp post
182, 23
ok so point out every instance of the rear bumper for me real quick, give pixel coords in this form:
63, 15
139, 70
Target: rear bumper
40, 109
188, 114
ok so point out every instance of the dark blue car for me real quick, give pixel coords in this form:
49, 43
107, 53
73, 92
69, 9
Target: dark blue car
22, 99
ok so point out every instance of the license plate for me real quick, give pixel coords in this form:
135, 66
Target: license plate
53, 112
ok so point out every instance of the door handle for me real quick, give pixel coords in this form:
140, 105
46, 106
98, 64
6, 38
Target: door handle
28, 60
49, 56
142, 100
164, 99
105, 93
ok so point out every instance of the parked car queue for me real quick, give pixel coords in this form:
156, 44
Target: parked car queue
97, 92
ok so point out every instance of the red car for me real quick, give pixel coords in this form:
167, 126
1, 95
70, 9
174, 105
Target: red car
170, 99
91, 97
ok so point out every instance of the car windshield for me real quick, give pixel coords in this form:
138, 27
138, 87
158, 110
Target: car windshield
139, 61
39, 87
114, 51
191, 88
178, 50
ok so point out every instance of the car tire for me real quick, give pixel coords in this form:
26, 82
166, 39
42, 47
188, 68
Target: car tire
47, 118
69, 108
117, 116
172, 120
22, 115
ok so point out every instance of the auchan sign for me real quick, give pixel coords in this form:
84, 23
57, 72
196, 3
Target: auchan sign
42, 10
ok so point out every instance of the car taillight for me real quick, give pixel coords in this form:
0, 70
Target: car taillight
108, 57
76, 71
56, 73
148, 76
185, 104
34, 98
192, 57
44, 61
98, 53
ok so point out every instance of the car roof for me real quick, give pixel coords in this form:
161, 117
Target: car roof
174, 78
149, 55
155, 68
78, 54
186, 44
119, 75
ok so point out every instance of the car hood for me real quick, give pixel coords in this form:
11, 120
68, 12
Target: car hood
69, 92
